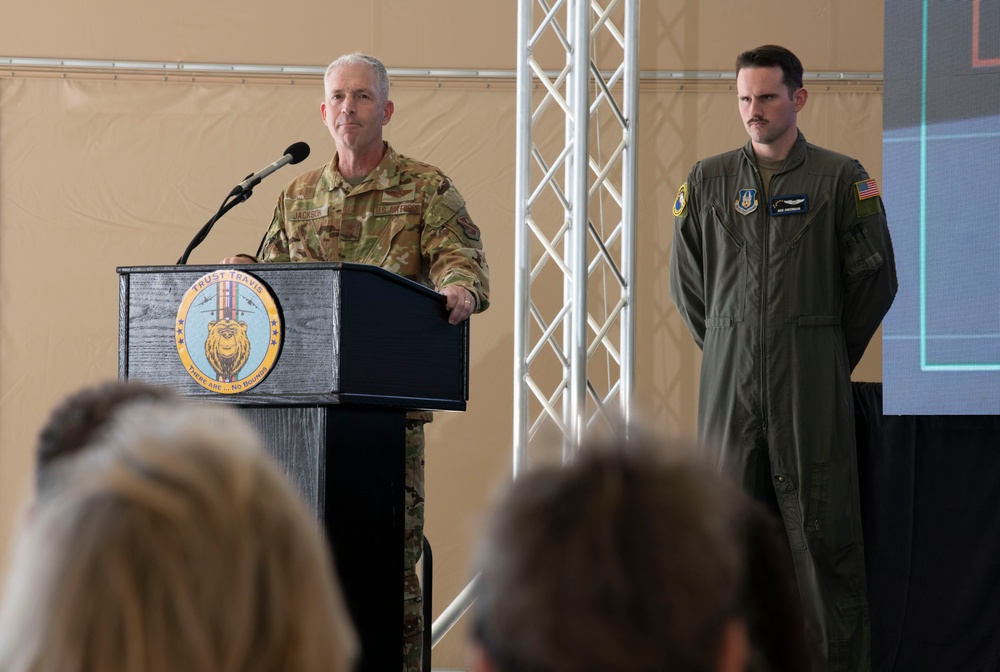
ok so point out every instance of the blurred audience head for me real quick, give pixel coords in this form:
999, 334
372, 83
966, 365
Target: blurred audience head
174, 544
633, 560
78, 422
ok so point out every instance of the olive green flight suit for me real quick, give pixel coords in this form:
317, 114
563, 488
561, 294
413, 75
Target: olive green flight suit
783, 292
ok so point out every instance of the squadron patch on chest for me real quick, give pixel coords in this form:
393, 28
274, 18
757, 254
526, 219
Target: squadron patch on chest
789, 205
398, 209
746, 202
305, 215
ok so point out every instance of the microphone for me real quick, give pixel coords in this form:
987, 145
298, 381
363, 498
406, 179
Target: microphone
244, 190
294, 154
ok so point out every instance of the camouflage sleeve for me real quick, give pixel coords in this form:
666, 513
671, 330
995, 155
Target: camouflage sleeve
274, 245
452, 245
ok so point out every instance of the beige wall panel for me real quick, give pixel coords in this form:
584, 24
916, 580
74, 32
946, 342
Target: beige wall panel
436, 34
828, 35
698, 35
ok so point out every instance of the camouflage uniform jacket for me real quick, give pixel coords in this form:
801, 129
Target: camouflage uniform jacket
406, 217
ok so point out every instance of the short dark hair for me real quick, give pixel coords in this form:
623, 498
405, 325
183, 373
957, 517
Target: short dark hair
773, 56
79, 421
629, 560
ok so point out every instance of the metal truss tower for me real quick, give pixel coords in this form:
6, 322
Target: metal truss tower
575, 193
577, 102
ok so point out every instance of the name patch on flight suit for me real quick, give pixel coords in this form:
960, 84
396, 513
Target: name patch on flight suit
746, 202
789, 205
303, 215
398, 209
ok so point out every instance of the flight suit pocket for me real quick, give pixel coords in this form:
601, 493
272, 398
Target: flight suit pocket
826, 532
392, 244
850, 638
811, 273
791, 511
313, 238
726, 271
816, 511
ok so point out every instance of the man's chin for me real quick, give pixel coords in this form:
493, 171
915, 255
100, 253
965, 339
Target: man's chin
347, 139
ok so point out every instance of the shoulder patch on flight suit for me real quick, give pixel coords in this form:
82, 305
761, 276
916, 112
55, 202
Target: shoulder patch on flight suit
303, 215
867, 198
452, 200
746, 202
867, 189
471, 230
681, 202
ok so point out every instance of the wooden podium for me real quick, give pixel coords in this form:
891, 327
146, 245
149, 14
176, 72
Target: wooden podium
361, 346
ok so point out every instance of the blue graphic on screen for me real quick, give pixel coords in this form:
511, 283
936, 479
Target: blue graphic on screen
941, 165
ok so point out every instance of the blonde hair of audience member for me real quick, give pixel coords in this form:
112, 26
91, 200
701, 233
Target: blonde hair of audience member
633, 561
176, 545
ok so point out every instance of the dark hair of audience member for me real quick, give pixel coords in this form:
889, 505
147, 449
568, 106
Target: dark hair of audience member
634, 561
79, 420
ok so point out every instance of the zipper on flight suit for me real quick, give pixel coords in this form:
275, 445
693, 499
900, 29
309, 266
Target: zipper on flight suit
765, 212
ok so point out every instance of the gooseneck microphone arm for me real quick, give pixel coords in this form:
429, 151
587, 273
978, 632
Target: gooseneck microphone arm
244, 190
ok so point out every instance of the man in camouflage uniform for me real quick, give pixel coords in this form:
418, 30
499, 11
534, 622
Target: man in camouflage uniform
371, 205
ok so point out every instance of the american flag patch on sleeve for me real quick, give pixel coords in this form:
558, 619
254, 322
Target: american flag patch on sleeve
867, 189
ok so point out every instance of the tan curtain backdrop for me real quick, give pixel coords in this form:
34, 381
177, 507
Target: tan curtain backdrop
98, 171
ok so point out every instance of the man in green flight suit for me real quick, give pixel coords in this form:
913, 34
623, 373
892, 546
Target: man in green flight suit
782, 268
371, 205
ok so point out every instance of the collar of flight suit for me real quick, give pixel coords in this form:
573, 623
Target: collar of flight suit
383, 176
796, 156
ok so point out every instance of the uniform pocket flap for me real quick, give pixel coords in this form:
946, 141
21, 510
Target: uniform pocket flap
818, 321
718, 322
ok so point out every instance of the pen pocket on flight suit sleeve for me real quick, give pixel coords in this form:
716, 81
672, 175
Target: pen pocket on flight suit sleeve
861, 256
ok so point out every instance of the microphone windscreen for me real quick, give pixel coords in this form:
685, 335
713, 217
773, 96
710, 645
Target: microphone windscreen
299, 152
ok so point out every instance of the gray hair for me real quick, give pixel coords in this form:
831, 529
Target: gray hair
376, 66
